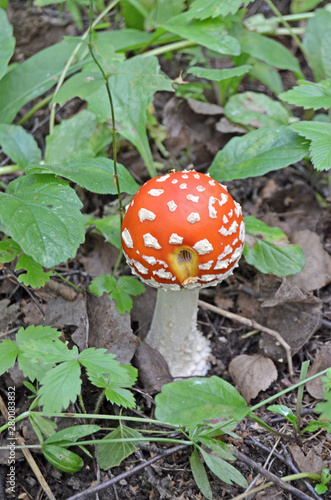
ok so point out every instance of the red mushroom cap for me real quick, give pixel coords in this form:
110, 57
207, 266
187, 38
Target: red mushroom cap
183, 229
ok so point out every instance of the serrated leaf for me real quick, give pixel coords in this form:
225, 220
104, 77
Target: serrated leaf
269, 51
258, 152
105, 369
219, 75
200, 475
33, 78
103, 284
36, 334
35, 275
190, 402
71, 138
72, 434
118, 290
320, 136
255, 110
309, 95
8, 353
269, 250
9, 249
131, 285
112, 454
210, 33
132, 81
61, 385
94, 174
120, 396
324, 407
19, 145
202, 9
317, 42
7, 42
42, 214
222, 469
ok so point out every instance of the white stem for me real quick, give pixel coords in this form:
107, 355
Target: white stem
175, 335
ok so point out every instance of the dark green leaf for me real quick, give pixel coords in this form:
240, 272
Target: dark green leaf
9, 249
34, 276
72, 434
7, 42
320, 136
19, 145
120, 396
223, 470
112, 454
42, 214
317, 42
200, 475
63, 459
257, 153
8, 353
94, 174
190, 402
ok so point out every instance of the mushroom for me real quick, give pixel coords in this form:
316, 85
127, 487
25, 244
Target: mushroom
181, 232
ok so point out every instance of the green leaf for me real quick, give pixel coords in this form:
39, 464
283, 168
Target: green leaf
299, 6
255, 110
119, 291
19, 145
267, 75
226, 472
190, 402
120, 396
257, 153
94, 174
46, 426
106, 370
42, 214
34, 276
315, 425
217, 446
112, 454
200, 475
210, 33
61, 385
202, 9
109, 227
268, 250
8, 353
219, 74
309, 95
9, 249
103, 284
36, 334
82, 84
320, 136
130, 285
63, 459
285, 412
72, 434
269, 51
7, 42
71, 138
33, 78
317, 42
133, 81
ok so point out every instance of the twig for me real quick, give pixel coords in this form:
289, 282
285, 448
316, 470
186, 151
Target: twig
85, 494
26, 452
269, 475
252, 324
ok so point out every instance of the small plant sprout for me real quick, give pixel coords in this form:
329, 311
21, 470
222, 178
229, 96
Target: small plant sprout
182, 232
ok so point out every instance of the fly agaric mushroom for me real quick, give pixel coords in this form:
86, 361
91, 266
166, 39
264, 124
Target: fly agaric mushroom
182, 231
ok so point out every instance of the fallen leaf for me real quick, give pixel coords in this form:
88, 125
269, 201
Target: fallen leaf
252, 374
152, 368
226, 127
322, 361
307, 463
317, 271
205, 108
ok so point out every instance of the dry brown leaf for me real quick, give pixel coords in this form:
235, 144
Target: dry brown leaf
322, 361
152, 368
225, 126
307, 463
205, 108
317, 271
252, 374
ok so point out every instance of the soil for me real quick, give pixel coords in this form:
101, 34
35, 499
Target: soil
289, 199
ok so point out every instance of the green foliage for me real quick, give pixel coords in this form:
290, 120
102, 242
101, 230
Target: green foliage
310, 95
9, 249
320, 136
43, 356
119, 290
34, 276
285, 412
111, 454
7, 42
317, 40
19, 145
267, 248
324, 407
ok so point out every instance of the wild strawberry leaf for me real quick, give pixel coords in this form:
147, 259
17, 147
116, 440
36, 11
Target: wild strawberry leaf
320, 136
8, 353
309, 95
202, 9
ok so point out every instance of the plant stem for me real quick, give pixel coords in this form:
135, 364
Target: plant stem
36, 108
67, 281
288, 26
105, 77
169, 48
72, 57
10, 169
303, 375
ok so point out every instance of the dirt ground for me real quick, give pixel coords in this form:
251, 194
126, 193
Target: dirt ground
299, 307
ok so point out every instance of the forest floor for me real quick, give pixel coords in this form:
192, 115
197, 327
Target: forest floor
298, 307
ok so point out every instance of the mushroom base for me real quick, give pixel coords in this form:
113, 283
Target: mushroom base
175, 335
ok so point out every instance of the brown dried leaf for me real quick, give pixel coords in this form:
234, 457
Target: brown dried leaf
152, 368
322, 361
307, 463
225, 126
252, 374
317, 271
205, 108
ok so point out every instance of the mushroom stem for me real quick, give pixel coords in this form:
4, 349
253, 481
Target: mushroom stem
175, 335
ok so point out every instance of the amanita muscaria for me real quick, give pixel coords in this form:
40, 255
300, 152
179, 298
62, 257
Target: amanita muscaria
181, 232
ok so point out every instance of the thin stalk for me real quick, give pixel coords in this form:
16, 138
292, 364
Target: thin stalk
10, 169
36, 108
72, 57
288, 26
270, 429
105, 77
169, 48
303, 375
67, 281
